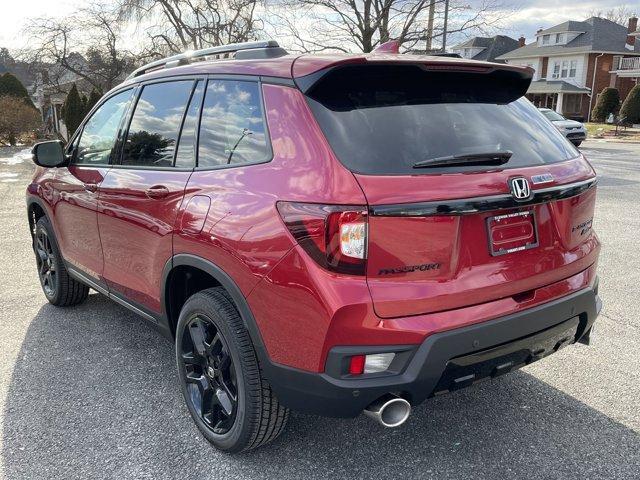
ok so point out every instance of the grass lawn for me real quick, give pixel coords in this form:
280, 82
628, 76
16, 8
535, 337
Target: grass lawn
592, 128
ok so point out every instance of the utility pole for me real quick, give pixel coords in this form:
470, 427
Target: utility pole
444, 31
432, 11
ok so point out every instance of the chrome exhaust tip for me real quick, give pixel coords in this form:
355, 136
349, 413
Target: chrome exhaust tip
389, 410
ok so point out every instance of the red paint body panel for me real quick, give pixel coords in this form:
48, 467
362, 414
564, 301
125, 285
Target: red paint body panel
468, 274
73, 211
243, 233
137, 231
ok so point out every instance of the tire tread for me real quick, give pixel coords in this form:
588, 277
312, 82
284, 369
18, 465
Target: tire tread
70, 291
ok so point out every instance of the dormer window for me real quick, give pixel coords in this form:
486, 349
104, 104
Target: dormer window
559, 37
545, 39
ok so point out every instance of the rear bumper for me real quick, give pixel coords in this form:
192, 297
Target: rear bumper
444, 361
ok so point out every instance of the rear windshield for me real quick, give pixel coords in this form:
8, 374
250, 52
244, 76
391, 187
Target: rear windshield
381, 120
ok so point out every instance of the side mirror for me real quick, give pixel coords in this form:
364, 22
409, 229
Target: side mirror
49, 154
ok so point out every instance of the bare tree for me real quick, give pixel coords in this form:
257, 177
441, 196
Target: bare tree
348, 25
172, 26
619, 14
87, 46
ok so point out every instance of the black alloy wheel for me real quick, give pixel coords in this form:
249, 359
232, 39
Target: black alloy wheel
46, 262
228, 398
58, 286
209, 372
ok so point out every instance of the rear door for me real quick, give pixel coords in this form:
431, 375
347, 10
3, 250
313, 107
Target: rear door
141, 195
446, 236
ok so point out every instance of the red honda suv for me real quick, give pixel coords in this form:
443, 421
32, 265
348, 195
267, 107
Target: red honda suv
330, 234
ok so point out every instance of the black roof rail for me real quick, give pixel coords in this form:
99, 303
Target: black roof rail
260, 49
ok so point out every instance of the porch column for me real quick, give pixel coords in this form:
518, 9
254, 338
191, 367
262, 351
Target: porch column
559, 104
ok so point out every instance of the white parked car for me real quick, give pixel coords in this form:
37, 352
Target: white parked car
574, 131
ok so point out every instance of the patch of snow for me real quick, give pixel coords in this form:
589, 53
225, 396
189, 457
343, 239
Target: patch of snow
17, 157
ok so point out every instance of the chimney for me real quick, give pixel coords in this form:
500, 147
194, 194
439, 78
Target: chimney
539, 30
631, 39
521, 41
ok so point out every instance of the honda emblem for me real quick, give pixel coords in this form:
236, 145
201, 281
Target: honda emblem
520, 188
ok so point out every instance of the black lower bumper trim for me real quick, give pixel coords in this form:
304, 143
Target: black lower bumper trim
444, 361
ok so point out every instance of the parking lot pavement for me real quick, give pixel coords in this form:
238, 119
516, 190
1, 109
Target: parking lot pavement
91, 391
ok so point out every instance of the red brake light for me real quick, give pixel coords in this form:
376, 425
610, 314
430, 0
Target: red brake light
335, 236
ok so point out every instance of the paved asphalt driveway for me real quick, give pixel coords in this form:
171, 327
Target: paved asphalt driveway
91, 391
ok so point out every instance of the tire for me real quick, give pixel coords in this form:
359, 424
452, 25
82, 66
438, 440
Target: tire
577, 144
59, 288
231, 403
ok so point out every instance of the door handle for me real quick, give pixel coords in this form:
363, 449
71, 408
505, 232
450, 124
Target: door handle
91, 187
157, 191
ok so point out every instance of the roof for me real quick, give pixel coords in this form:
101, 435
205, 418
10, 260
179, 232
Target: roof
493, 47
555, 86
570, 26
600, 35
295, 66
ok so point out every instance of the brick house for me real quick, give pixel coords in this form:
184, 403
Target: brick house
628, 66
574, 59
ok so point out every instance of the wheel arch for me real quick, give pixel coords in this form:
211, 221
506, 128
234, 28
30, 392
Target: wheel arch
35, 211
221, 279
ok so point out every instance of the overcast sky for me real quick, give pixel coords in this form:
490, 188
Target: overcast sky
530, 15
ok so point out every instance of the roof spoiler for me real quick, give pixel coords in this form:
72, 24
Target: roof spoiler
475, 81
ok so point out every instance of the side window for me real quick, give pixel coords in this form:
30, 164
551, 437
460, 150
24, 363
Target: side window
153, 132
186, 155
99, 134
232, 128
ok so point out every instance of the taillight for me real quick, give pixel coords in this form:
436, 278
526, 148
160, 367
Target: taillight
335, 236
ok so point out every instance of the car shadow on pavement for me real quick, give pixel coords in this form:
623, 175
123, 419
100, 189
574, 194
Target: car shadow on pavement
94, 394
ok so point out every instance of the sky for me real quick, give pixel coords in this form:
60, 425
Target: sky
530, 15
533, 14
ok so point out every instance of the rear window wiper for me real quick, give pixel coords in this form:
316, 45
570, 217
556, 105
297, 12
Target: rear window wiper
482, 158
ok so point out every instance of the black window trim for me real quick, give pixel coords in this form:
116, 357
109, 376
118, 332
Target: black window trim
128, 116
197, 128
80, 130
134, 103
241, 78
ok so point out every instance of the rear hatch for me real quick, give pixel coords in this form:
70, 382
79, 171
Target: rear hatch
441, 154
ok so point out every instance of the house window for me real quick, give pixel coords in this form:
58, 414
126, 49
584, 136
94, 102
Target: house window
558, 38
564, 72
545, 39
556, 70
572, 103
572, 68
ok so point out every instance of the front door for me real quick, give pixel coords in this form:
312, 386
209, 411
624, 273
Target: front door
76, 186
141, 195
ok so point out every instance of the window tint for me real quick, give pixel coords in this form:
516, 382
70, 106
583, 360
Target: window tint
99, 134
186, 155
232, 128
154, 128
385, 125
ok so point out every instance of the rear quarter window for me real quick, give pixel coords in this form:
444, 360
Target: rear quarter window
232, 127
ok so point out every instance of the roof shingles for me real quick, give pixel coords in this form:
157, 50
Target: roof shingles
600, 35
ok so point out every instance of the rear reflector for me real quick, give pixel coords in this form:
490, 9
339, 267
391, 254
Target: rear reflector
356, 365
335, 236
